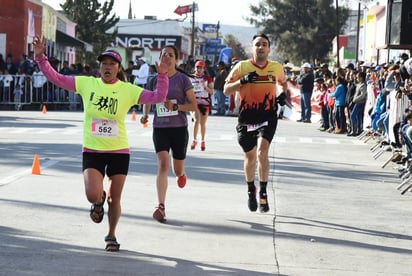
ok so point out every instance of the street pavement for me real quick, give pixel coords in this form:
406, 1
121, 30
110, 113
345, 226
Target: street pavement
334, 209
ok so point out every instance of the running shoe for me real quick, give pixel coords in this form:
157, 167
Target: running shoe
263, 203
159, 213
203, 146
193, 145
181, 181
252, 202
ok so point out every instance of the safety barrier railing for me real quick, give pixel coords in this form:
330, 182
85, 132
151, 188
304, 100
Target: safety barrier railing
34, 91
380, 145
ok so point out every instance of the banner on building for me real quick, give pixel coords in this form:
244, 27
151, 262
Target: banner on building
31, 31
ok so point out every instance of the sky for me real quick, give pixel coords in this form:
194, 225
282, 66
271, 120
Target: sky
227, 12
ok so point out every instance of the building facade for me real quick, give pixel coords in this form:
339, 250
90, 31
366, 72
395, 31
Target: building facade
21, 20
371, 40
146, 38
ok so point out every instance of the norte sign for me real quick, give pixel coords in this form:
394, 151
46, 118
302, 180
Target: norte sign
152, 42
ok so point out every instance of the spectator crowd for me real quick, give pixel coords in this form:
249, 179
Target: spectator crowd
362, 99
21, 82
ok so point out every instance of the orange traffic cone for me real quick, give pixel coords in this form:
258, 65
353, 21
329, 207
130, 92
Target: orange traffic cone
134, 115
35, 168
44, 110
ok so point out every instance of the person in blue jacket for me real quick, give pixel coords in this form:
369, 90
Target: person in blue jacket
340, 102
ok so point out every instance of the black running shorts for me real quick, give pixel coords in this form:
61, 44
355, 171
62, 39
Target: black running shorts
173, 138
107, 163
247, 138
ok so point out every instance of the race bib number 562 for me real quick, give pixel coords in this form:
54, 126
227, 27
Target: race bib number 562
104, 128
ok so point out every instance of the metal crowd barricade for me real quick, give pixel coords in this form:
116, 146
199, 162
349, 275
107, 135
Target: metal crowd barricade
397, 109
48, 93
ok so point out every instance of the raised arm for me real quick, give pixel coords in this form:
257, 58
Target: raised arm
159, 95
63, 81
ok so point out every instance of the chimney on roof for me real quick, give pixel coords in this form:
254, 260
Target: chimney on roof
150, 17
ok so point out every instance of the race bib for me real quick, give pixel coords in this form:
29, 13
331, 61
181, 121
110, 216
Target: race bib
256, 126
198, 88
104, 128
162, 111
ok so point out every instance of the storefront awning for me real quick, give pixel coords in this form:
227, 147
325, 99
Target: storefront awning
67, 40
396, 47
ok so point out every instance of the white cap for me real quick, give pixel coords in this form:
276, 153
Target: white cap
307, 65
366, 64
289, 65
143, 59
408, 66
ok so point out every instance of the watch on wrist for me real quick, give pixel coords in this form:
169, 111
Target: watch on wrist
175, 107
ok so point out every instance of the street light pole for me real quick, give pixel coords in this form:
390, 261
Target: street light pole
357, 34
192, 50
337, 34
217, 37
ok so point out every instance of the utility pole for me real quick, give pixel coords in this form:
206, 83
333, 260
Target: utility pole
217, 37
192, 50
337, 34
357, 35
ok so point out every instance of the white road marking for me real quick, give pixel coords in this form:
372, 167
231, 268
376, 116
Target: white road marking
21, 173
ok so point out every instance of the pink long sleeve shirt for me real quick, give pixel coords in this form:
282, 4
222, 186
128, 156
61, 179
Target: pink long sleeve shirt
105, 106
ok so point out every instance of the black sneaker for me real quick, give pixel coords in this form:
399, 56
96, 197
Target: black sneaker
252, 202
263, 203
280, 116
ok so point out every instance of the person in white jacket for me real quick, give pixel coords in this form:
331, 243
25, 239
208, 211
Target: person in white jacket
7, 80
38, 80
143, 73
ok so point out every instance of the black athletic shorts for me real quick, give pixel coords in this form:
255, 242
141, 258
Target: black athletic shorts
171, 138
247, 135
107, 163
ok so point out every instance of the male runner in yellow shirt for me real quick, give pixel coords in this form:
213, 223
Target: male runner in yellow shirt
257, 80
